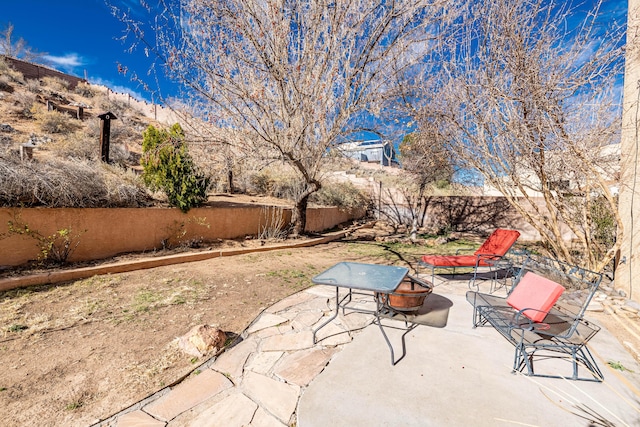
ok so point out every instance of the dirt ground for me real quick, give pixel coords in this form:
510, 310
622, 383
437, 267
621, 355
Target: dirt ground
77, 353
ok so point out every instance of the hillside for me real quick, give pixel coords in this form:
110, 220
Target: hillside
44, 113
66, 150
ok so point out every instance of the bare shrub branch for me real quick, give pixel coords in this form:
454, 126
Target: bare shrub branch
530, 104
292, 78
68, 183
272, 225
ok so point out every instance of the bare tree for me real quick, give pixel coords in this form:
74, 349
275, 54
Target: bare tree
294, 76
527, 97
427, 161
19, 49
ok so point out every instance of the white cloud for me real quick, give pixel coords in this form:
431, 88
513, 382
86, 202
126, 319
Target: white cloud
68, 62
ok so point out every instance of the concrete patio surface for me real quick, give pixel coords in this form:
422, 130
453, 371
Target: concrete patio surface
451, 376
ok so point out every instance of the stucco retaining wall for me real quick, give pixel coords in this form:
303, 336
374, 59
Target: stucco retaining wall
102, 233
482, 215
469, 214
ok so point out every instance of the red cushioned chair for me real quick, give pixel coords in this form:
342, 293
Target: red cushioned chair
492, 250
534, 296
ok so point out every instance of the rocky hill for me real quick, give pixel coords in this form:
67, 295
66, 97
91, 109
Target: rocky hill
49, 115
50, 143
50, 146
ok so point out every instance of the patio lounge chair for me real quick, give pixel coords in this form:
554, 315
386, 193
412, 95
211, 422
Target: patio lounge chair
492, 250
543, 317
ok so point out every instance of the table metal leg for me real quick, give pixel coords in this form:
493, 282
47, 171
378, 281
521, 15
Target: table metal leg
381, 306
315, 341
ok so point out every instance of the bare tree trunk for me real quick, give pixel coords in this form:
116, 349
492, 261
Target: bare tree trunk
299, 217
230, 180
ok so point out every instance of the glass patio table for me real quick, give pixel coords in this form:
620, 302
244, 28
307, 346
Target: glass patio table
378, 279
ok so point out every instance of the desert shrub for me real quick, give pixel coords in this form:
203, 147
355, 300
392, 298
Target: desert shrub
261, 182
55, 84
68, 183
169, 167
54, 121
34, 86
4, 67
23, 104
77, 145
118, 154
442, 184
86, 90
286, 188
274, 182
5, 84
124, 188
344, 195
82, 145
7, 70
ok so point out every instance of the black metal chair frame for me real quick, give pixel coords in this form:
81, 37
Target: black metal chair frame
498, 270
563, 334
383, 310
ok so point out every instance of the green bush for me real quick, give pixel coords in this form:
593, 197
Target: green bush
54, 249
169, 167
604, 223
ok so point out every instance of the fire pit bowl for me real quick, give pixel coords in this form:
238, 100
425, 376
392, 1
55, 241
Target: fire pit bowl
410, 295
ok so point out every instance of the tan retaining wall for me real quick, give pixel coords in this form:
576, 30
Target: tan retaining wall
482, 215
107, 232
469, 214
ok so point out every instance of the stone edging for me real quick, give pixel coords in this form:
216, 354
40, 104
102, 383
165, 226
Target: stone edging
121, 267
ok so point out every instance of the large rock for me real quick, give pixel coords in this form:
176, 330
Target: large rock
201, 340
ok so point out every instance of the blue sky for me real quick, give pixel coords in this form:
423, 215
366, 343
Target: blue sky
79, 36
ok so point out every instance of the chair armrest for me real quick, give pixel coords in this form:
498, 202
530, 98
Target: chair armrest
507, 317
487, 257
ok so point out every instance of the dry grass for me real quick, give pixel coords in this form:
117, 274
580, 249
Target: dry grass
13, 75
67, 171
68, 183
54, 121
55, 84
